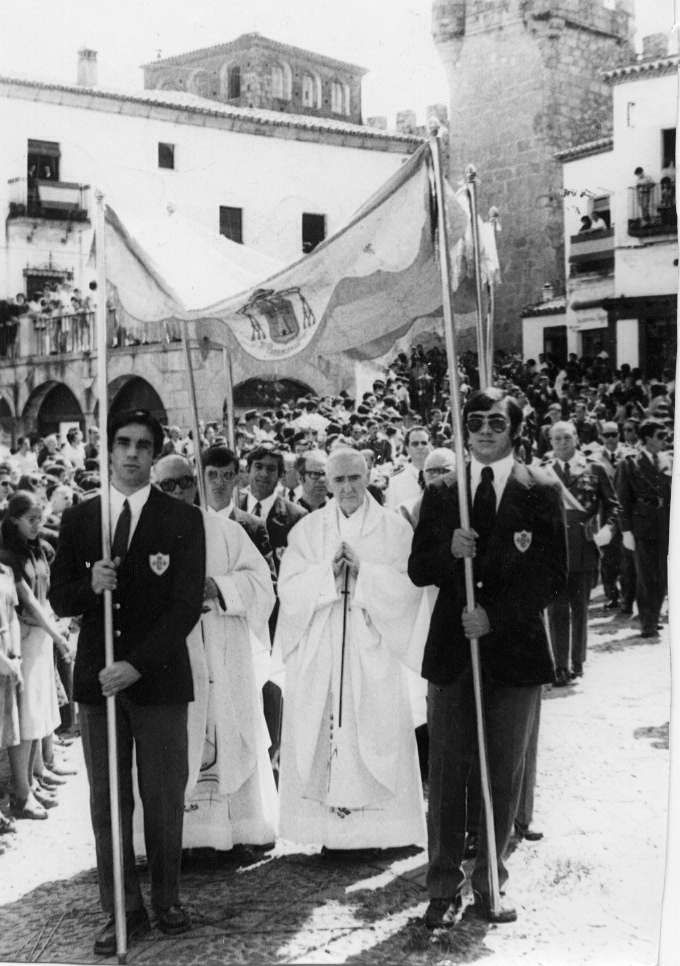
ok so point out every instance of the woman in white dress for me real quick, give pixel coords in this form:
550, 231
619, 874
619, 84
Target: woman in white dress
25, 553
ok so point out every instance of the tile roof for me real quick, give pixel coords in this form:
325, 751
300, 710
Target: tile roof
243, 42
660, 65
193, 104
555, 306
584, 150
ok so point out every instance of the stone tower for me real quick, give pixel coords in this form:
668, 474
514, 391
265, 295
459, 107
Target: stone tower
524, 82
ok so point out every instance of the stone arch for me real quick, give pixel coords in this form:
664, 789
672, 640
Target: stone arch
311, 90
6, 418
230, 81
268, 392
281, 80
50, 404
203, 83
133, 392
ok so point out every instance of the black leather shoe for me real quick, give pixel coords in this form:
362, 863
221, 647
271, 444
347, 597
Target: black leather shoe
562, 678
649, 634
442, 913
626, 611
577, 671
525, 832
611, 604
173, 920
482, 908
137, 924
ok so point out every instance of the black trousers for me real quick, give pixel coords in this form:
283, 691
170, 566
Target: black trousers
618, 567
651, 562
510, 714
159, 736
568, 620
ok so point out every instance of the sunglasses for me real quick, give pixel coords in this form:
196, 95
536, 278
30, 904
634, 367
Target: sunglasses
495, 422
174, 483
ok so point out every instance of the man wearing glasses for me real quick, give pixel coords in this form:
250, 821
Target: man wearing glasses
518, 545
311, 468
643, 484
156, 574
230, 795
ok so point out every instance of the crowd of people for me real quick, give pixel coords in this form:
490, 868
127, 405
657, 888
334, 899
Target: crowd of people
296, 646
60, 319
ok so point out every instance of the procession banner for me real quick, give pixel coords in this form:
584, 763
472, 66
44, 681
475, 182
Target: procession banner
356, 293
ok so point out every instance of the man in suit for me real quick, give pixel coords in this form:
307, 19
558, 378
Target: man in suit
644, 487
265, 469
156, 575
617, 564
589, 498
311, 468
518, 544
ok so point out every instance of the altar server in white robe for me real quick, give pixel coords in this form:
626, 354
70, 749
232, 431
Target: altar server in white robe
349, 767
231, 796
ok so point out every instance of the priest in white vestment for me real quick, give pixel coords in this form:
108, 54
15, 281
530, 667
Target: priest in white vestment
349, 767
231, 795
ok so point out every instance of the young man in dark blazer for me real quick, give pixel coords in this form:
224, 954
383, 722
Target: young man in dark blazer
518, 544
157, 577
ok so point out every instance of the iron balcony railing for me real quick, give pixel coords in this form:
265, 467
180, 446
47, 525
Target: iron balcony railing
651, 209
53, 200
592, 251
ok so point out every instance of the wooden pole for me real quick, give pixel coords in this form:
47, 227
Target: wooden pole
112, 742
229, 396
194, 416
457, 422
484, 362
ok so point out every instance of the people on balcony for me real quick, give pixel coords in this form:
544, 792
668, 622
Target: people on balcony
643, 188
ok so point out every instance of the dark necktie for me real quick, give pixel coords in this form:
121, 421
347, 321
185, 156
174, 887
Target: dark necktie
421, 479
567, 475
291, 495
122, 534
257, 509
484, 507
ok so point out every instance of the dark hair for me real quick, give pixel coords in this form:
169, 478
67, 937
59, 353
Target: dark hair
648, 427
262, 452
139, 417
71, 434
417, 428
26, 482
482, 400
15, 550
218, 456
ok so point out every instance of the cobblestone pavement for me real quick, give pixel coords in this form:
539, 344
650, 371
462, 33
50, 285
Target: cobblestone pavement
588, 893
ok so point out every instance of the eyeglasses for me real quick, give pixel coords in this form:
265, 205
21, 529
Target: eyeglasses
661, 434
213, 474
5, 482
315, 474
609, 435
438, 471
173, 483
495, 422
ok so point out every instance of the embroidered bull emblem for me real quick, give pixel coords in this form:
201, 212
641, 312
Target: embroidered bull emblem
522, 540
278, 316
159, 563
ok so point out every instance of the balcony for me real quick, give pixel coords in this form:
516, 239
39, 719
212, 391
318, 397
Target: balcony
45, 199
652, 211
592, 252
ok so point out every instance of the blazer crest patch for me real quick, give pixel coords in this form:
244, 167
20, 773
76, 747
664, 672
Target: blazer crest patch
522, 540
159, 563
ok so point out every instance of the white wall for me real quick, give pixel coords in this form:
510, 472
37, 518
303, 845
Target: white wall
273, 179
639, 143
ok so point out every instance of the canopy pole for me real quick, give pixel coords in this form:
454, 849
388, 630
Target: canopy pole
494, 217
482, 341
194, 416
230, 416
457, 423
101, 314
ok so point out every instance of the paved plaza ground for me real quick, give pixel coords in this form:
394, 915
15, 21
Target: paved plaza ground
589, 893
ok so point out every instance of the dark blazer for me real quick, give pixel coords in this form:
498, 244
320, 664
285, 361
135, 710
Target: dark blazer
594, 491
522, 570
281, 519
645, 495
257, 531
156, 603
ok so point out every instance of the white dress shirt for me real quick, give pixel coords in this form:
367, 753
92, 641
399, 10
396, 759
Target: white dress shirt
265, 504
136, 500
501, 471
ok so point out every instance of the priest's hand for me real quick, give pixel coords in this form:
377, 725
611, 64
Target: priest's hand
463, 543
116, 677
475, 622
345, 557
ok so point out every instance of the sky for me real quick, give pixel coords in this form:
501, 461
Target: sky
391, 38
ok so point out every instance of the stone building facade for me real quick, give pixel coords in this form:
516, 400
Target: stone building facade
253, 71
526, 81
